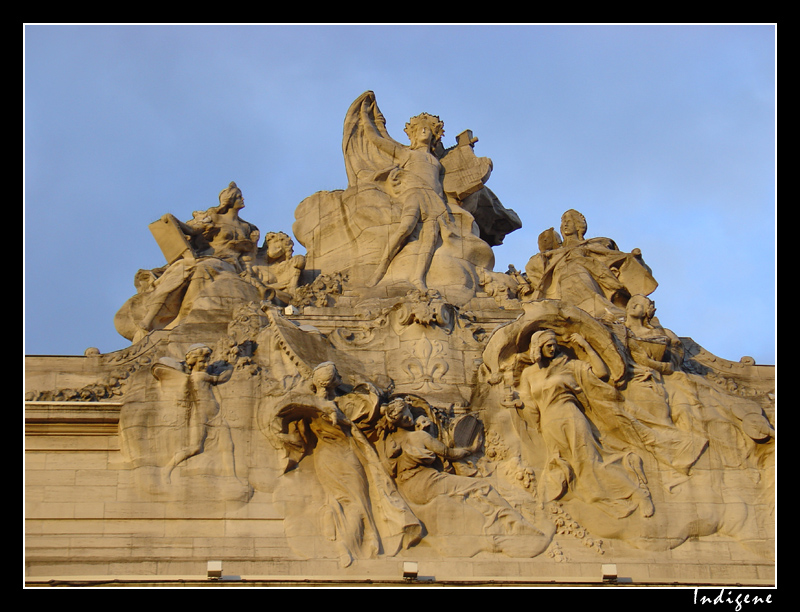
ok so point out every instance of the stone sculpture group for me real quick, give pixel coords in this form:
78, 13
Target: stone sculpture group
391, 390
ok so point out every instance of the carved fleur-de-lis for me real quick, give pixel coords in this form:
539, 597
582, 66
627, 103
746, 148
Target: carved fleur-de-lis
425, 366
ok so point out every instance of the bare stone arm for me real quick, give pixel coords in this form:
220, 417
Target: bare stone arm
444, 451
598, 365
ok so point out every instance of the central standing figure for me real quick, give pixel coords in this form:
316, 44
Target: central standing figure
416, 182
400, 224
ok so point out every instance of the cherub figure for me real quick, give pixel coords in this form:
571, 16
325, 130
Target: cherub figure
651, 346
278, 268
202, 410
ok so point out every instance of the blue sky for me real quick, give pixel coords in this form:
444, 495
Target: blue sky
663, 136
